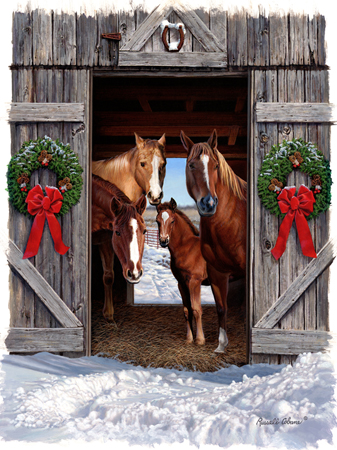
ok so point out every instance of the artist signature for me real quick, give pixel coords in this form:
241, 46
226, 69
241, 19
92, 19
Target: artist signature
277, 421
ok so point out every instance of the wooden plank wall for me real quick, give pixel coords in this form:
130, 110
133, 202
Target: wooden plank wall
56, 38
311, 310
66, 274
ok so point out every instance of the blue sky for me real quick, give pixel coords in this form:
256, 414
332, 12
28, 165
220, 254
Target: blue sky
175, 182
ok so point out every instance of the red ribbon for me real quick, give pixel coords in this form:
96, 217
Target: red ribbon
41, 207
295, 208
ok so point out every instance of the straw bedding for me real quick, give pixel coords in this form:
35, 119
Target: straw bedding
155, 336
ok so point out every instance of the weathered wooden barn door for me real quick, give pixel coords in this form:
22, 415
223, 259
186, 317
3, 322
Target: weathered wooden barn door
288, 297
49, 292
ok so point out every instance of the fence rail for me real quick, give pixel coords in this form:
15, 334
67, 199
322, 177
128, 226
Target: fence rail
152, 237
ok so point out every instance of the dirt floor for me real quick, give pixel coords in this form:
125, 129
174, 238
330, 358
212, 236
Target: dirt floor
155, 336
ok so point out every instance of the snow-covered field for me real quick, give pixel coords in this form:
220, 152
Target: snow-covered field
51, 398
158, 285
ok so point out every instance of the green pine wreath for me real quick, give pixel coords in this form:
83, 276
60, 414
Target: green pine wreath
277, 166
51, 155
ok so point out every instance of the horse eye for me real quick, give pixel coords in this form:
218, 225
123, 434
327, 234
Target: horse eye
142, 164
118, 233
144, 232
191, 166
172, 221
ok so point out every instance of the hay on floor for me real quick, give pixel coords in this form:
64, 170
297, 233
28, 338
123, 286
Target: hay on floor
155, 336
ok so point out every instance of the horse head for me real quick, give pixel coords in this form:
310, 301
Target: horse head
202, 172
165, 220
151, 167
129, 236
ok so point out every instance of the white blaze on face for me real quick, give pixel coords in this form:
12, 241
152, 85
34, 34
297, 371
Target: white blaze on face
134, 249
155, 188
205, 159
165, 216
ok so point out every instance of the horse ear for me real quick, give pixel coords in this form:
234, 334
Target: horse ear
139, 141
162, 140
141, 204
173, 204
213, 140
116, 206
186, 141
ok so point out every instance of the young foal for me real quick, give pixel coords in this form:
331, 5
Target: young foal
221, 198
123, 224
177, 232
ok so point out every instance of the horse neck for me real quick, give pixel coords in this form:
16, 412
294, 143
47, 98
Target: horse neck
181, 232
121, 172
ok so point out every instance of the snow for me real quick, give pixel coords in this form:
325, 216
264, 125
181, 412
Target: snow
52, 398
158, 284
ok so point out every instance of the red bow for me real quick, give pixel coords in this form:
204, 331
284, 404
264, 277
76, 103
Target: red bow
41, 207
295, 208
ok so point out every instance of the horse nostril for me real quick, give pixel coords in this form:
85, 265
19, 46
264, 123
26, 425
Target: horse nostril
129, 274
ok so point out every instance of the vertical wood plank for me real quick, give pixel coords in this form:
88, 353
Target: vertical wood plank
278, 40
108, 49
218, 25
22, 38
64, 39
127, 25
87, 40
42, 37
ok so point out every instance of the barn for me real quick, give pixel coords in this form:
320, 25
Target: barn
92, 79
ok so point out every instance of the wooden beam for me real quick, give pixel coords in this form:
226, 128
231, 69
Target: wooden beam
148, 27
46, 112
26, 340
170, 131
144, 103
295, 112
43, 290
112, 93
198, 28
189, 105
168, 118
288, 342
156, 59
240, 104
298, 287
233, 135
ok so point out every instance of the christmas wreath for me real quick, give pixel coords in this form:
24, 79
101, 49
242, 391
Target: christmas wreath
281, 199
59, 158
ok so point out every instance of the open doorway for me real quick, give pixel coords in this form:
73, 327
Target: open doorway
152, 106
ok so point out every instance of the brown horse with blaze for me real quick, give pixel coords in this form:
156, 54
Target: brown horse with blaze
177, 232
221, 199
118, 224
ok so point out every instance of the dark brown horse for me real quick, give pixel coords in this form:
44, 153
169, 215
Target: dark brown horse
122, 222
178, 233
221, 199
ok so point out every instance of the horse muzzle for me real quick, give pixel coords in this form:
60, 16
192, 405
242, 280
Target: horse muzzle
207, 205
133, 278
164, 242
155, 200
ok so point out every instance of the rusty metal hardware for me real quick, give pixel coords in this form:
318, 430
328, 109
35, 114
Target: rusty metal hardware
181, 42
113, 36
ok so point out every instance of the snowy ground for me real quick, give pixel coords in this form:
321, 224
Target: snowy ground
158, 285
51, 398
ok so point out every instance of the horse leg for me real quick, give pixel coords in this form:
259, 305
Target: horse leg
188, 313
219, 284
107, 257
195, 295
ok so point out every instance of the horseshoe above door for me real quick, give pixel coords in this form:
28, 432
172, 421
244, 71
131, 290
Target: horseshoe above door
174, 46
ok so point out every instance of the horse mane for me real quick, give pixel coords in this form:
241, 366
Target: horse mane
108, 168
227, 175
111, 188
167, 205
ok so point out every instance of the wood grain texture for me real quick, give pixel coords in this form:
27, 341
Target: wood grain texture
296, 112
38, 283
64, 39
46, 112
193, 59
300, 284
289, 342
27, 340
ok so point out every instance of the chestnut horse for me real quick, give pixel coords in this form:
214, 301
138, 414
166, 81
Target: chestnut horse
122, 221
221, 199
139, 171
177, 232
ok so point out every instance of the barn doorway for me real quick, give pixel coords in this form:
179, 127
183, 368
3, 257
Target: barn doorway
152, 106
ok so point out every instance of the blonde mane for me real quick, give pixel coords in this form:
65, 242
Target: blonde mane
112, 167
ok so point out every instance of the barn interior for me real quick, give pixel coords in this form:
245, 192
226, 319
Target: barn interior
151, 106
